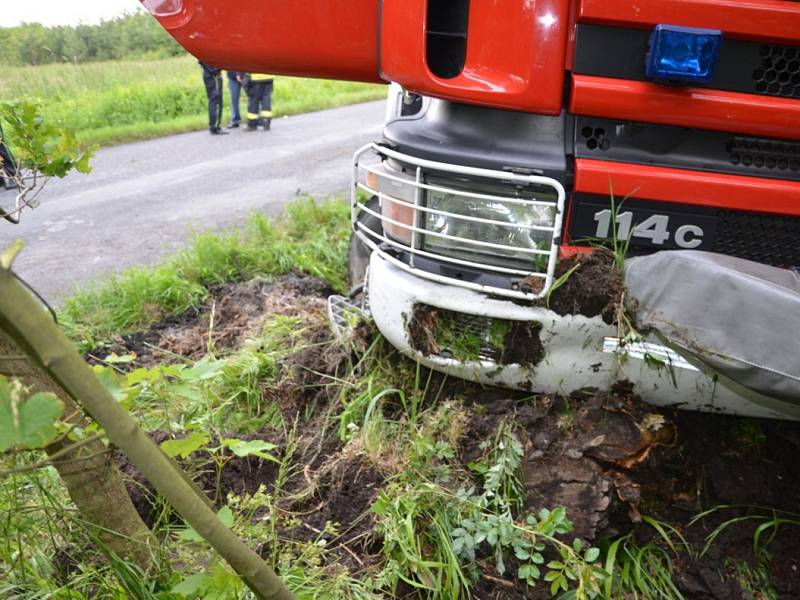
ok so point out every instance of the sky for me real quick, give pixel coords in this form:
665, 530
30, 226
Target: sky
62, 12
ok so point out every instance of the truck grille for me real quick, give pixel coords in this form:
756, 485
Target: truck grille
768, 239
762, 153
779, 72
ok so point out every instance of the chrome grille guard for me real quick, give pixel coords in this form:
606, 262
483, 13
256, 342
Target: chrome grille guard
418, 210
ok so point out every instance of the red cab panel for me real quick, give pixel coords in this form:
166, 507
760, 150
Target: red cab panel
511, 53
769, 20
685, 107
333, 39
682, 186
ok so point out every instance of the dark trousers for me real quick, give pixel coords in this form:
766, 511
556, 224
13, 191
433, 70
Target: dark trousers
235, 88
8, 167
214, 92
259, 102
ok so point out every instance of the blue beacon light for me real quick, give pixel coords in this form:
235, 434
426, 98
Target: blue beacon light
683, 54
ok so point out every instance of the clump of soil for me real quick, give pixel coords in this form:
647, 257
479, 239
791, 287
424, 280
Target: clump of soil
421, 329
594, 288
341, 492
522, 345
432, 330
232, 312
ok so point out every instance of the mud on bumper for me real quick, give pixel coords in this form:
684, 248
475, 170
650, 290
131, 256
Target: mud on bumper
471, 335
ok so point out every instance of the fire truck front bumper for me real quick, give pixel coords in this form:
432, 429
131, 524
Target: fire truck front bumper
475, 336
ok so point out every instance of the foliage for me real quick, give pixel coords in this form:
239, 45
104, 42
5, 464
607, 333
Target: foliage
133, 35
38, 144
26, 422
41, 150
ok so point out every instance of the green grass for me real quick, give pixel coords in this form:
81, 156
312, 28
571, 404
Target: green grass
311, 237
119, 101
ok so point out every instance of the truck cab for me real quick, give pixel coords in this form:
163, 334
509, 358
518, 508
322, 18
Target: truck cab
520, 136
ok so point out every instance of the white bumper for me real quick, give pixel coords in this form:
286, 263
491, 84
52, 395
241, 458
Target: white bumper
574, 355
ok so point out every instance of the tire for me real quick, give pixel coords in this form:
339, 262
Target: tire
358, 252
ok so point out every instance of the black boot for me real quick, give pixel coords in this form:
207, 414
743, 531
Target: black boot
267, 123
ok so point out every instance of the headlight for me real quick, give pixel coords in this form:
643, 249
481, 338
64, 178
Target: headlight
395, 189
508, 224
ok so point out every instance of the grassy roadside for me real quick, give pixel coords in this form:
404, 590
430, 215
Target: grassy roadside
359, 475
114, 102
311, 237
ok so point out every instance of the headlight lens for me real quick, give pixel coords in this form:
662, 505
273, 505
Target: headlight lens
512, 229
392, 185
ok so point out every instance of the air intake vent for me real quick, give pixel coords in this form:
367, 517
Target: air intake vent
763, 153
447, 37
779, 72
769, 239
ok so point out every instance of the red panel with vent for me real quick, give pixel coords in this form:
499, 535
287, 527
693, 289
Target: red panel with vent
514, 59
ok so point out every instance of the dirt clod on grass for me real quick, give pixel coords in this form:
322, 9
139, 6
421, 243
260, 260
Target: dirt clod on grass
232, 312
340, 492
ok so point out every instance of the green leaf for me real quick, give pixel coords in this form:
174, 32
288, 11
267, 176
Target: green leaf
478, 467
27, 423
206, 368
189, 534
251, 448
183, 448
592, 554
191, 585
111, 381
521, 553
225, 515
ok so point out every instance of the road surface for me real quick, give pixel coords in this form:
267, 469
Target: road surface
143, 200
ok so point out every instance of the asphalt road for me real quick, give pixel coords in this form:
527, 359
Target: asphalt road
143, 200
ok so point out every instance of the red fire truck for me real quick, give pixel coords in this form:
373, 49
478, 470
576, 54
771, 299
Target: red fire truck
518, 132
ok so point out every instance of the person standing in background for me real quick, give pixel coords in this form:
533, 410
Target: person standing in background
8, 166
235, 81
259, 104
212, 78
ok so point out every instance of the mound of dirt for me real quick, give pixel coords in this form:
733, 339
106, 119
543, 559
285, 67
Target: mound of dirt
594, 288
340, 492
608, 458
232, 312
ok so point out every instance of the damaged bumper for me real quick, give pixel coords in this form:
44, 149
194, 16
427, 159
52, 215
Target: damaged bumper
565, 352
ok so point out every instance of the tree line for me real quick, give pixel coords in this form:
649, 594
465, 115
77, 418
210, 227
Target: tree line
131, 36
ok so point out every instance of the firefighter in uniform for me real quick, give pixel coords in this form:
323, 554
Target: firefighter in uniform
212, 78
259, 101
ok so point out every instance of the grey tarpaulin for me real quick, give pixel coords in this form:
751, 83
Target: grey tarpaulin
738, 317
